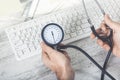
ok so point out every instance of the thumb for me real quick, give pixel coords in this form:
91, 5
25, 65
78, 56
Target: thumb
109, 22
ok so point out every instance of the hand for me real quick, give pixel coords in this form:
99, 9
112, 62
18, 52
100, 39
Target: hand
116, 35
58, 62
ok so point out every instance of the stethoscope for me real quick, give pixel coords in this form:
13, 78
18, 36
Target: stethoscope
53, 34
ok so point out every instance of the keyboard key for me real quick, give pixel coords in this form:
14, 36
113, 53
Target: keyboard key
86, 25
78, 28
73, 29
67, 31
87, 30
79, 32
73, 34
78, 23
67, 36
84, 21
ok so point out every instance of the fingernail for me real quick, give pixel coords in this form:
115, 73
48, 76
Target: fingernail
100, 43
91, 37
106, 15
103, 21
41, 43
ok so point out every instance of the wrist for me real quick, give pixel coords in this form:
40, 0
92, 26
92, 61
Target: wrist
66, 73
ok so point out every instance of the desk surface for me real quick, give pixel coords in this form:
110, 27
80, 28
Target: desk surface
33, 68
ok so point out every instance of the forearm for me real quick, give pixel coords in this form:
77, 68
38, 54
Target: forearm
66, 74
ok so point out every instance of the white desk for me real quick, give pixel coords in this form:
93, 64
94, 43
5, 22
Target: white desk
32, 68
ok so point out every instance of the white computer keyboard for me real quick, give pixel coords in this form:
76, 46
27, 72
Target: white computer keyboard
25, 38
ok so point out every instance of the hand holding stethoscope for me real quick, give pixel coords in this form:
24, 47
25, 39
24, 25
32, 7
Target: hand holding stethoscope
102, 35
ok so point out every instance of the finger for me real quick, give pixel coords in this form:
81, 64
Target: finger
45, 59
98, 30
47, 49
100, 42
45, 56
103, 27
103, 30
103, 44
106, 47
92, 36
108, 21
66, 54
